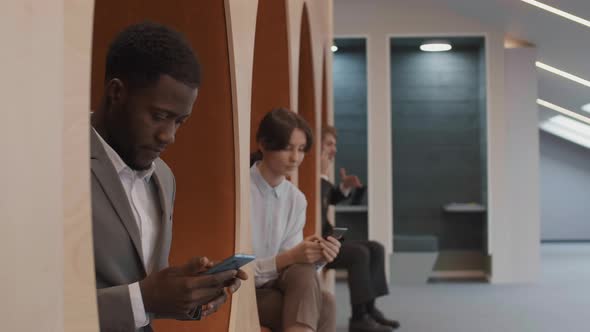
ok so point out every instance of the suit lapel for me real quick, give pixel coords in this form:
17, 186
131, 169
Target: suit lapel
164, 196
164, 193
110, 182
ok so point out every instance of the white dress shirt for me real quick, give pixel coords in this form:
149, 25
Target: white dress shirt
277, 216
344, 192
145, 204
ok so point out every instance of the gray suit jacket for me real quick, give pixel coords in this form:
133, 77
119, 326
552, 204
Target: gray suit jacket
117, 243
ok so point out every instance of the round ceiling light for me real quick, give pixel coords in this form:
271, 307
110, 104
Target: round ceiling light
436, 46
334, 48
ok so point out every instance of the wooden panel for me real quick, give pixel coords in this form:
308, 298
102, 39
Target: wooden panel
31, 133
308, 171
324, 95
270, 80
80, 311
203, 156
241, 23
329, 276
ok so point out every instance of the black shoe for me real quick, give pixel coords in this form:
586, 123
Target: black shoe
381, 319
366, 324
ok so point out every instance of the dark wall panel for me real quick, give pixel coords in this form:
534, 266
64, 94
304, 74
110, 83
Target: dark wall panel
350, 106
436, 140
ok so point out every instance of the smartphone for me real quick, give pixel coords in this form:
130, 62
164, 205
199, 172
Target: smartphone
338, 232
231, 263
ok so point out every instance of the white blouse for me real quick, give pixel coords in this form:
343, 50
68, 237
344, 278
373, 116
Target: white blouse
277, 216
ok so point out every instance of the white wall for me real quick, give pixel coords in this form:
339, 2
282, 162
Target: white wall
520, 249
565, 188
381, 19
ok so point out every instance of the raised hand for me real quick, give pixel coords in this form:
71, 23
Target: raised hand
349, 181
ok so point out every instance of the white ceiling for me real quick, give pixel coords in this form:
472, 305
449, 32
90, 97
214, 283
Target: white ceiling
560, 43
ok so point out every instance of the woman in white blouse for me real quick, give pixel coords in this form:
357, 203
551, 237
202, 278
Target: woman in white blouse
288, 290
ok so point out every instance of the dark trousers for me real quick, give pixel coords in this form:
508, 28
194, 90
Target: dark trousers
365, 263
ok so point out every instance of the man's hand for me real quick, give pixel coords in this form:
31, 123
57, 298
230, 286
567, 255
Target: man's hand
231, 287
177, 291
349, 181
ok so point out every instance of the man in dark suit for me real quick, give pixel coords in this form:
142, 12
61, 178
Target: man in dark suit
151, 84
364, 260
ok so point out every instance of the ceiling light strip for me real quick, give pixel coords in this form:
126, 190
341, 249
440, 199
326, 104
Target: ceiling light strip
563, 111
558, 12
563, 74
564, 130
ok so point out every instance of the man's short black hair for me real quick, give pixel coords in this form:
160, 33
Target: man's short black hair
141, 53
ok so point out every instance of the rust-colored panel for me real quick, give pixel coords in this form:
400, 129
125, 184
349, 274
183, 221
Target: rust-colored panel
270, 78
203, 156
308, 172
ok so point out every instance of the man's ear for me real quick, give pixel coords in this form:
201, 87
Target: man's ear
116, 91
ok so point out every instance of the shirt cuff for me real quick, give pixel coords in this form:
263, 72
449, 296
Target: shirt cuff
320, 266
139, 315
266, 269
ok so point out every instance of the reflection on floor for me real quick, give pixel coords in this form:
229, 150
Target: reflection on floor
460, 266
559, 301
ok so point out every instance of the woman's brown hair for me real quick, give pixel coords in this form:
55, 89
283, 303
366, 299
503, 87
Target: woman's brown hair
275, 129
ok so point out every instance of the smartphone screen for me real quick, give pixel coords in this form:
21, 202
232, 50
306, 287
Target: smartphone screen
338, 232
231, 263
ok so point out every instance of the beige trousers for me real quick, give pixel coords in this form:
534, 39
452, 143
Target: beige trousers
296, 297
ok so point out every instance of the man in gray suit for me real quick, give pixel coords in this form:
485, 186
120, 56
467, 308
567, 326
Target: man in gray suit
151, 84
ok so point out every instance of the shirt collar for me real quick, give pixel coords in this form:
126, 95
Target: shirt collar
120, 165
324, 177
263, 186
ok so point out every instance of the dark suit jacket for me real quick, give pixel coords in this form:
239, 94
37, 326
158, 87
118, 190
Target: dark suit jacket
331, 195
117, 242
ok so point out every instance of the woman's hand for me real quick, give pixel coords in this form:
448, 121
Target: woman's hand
309, 251
330, 248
